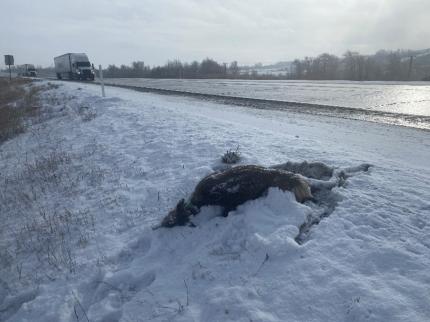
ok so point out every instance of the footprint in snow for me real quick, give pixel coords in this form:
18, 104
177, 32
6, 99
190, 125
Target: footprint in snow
11, 304
109, 296
136, 249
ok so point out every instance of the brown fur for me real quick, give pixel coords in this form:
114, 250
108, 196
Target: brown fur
315, 170
234, 187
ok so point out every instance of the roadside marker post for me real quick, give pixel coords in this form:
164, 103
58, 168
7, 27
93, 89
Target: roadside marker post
101, 80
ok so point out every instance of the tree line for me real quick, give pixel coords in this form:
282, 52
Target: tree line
400, 65
207, 68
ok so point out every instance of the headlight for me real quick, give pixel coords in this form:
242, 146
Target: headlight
78, 71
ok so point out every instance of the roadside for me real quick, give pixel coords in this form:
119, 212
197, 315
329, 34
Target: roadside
82, 188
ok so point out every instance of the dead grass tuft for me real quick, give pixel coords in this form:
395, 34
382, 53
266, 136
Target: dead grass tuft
10, 123
19, 101
231, 156
86, 113
46, 226
52, 236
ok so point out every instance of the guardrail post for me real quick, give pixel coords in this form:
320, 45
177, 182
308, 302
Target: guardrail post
101, 80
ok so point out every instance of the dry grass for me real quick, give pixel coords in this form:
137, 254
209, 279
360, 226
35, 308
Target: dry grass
231, 156
12, 90
10, 123
86, 113
40, 222
45, 230
19, 101
51, 236
10, 116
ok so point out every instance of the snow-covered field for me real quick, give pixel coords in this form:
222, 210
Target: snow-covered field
410, 98
395, 103
81, 190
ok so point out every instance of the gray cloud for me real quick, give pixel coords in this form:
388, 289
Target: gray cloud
120, 31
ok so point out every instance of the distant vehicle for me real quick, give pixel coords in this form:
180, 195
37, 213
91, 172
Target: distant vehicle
74, 66
27, 70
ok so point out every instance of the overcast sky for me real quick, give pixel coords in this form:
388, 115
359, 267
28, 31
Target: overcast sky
249, 31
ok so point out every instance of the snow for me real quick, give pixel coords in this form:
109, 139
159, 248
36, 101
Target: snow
130, 157
409, 98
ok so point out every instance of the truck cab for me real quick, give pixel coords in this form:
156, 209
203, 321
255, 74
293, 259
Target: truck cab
31, 70
27, 70
83, 70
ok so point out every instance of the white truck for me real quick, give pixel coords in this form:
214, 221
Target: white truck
74, 66
27, 70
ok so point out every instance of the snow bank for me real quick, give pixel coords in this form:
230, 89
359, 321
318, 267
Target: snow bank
132, 156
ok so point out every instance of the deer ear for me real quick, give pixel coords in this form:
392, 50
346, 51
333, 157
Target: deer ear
181, 204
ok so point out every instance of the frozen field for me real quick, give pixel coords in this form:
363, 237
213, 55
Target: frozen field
391, 102
103, 171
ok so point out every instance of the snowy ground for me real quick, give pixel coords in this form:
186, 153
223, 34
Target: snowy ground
410, 98
98, 173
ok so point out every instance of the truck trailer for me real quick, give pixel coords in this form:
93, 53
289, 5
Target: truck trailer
27, 70
74, 66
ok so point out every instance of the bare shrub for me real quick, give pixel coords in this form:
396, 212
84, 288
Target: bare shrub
53, 236
86, 113
10, 122
21, 191
52, 86
31, 101
44, 169
43, 225
10, 116
40, 221
17, 103
231, 156
11, 91
54, 99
